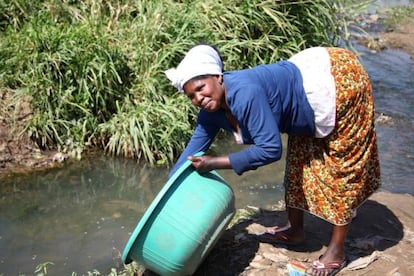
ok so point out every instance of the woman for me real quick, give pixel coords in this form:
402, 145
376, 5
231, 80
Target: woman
322, 98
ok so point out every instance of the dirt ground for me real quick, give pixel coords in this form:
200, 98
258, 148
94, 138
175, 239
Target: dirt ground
380, 242
19, 154
402, 37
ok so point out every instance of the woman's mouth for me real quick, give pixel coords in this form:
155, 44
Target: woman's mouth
207, 104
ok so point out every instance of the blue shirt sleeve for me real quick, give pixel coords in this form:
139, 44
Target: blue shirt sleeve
252, 106
205, 131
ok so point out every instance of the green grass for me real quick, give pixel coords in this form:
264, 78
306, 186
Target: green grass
156, 128
399, 14
92, 71
132, 269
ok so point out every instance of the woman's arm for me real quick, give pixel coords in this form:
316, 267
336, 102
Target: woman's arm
207, 127
255, 114
253, 110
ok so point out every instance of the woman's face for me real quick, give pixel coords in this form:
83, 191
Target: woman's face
206, 92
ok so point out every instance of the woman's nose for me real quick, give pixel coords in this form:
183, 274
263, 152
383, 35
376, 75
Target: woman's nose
197, 100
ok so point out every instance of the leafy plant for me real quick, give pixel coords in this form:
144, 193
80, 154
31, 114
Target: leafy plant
93, 70
14, 13
74, 78
152, 131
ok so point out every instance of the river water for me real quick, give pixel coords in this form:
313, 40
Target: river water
80, 217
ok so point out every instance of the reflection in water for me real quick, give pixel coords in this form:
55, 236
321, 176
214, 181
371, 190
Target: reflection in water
78, 217
81, 216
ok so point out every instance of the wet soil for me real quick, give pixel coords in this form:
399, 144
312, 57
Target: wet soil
399, 35
402, 37
18, 153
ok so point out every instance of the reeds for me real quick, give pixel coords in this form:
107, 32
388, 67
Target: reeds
93, 70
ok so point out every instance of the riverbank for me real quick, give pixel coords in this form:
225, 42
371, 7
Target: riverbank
18, 153
389, 28
380, 242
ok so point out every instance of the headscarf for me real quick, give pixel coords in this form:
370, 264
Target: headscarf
199, 60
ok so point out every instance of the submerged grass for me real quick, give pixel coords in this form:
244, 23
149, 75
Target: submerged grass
93, 70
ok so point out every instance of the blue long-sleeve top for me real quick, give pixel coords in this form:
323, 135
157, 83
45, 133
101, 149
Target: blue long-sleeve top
265, 100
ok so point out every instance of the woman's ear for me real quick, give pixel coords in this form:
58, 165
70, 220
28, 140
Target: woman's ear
220, 79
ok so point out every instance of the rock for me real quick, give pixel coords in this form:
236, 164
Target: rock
276, 257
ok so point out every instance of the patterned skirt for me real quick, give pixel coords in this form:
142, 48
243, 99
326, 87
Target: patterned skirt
330, 177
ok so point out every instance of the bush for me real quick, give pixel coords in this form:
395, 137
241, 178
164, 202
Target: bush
94, 69
73, 75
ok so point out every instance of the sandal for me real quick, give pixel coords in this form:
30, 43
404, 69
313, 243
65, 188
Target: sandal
278, 237
275, 229
328, 269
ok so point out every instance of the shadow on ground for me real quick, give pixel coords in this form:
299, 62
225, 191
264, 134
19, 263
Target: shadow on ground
375, 228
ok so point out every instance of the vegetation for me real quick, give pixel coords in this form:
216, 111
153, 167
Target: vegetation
397, 15
92, 71
129, 270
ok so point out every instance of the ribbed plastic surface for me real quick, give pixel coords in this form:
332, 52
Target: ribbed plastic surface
182, 224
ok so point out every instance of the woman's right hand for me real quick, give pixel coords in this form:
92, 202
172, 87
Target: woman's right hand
206, 163
202, 163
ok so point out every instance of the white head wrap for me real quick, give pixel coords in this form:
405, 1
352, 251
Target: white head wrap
199, 60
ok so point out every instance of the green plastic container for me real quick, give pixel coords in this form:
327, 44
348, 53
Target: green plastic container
182, 224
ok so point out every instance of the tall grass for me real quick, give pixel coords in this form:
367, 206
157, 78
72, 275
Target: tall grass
150, 130
14, 13
93, 70
73, 75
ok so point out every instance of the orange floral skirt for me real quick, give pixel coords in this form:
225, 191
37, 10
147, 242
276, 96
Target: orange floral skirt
330, 177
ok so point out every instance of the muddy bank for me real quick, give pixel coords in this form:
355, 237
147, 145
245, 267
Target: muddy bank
397, 33
380, 242
21, 155
402, 37
18, 153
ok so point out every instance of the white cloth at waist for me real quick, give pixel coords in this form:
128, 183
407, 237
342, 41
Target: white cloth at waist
319, 84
